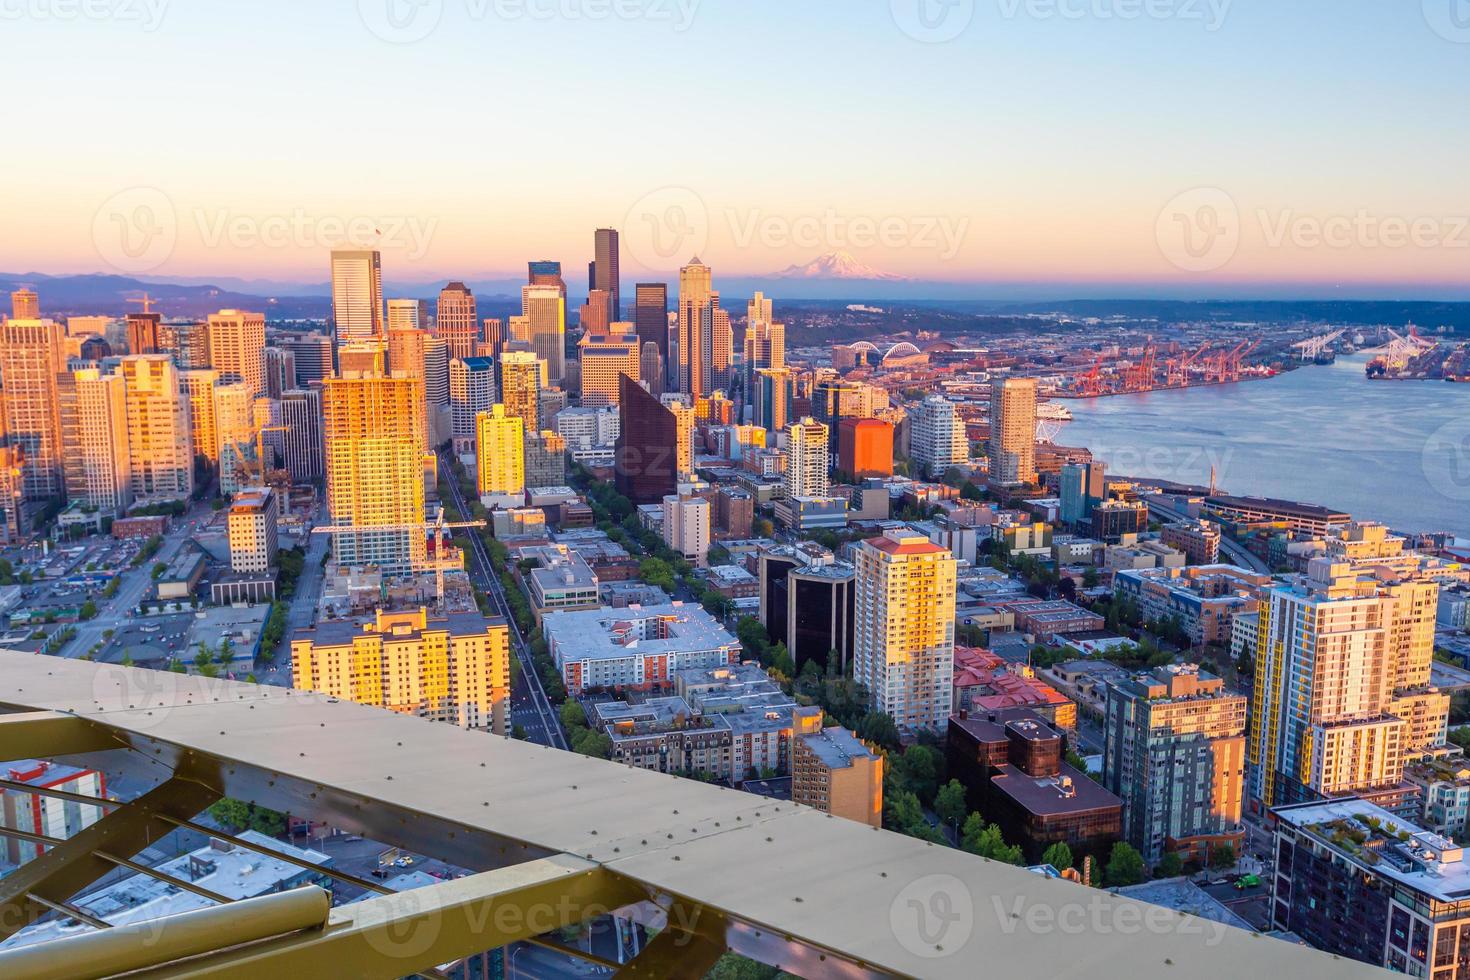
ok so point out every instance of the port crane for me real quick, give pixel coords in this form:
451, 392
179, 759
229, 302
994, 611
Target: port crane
438, 526
1314, 346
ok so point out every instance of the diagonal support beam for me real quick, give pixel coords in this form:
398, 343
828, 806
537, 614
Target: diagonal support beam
675, 954
408, 932
72, 865
47, 734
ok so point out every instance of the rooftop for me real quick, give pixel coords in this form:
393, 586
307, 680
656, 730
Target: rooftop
608, 633
836, 747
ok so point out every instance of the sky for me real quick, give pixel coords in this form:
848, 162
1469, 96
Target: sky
1218, 146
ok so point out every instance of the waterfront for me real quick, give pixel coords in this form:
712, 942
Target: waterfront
1392, 451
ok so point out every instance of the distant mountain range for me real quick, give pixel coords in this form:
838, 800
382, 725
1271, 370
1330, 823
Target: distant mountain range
837, 265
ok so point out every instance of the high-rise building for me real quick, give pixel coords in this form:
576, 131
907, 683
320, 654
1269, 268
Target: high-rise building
1175, 755
500, 455
436, 390
545, 272
722, 345
684, 418
597, 312
94, 434
454, 669
30, 360
457, 321
313, 352
252, 525
522, 376
765, 343
280, 370
471, 393
694, 335
408, 314
651, 368
903, 649
1013, 432
1083, 487
686, 527
408, 353
605, 359
605, 273
188, 342
374, 443
198, 386
237, 347
645, 463
1341, 684
546, 321
546, 459
865, 448
806, 459
773, 398
937, 437
357, 294
160, 433
301, 414
25, 304
143, 332
363, 356
234, 427
651, 317
492, 336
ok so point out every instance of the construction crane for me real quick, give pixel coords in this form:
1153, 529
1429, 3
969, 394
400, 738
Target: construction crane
438, 526
146, 300
1089, 385
1140, 376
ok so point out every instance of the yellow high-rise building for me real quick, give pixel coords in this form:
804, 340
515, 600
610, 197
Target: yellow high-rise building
904, 627
237, 347
454, 668
374, 447
500, 453
522, 376
160, 433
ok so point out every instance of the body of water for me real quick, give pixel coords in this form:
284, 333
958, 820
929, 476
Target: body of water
1390, 451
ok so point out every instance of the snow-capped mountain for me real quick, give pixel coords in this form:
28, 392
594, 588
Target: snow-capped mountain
836, 265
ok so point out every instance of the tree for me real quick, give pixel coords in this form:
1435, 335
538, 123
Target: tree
902, 811
88, 610
1089, 577
949, 803
753, 638
986, 841
917, 771
1059, 856
879, 728
572, 715
1125, 866
594, 744
1222, 856
1170, 866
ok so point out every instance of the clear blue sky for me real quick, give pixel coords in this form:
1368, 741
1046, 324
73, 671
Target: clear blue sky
1048, 137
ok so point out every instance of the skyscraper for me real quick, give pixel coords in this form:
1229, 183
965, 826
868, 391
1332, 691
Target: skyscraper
500, 455
374, 445
188, 342
1175, 755
645, 461
773, 398
695, 331
651, 316
94, 432
143, 332
547, 273
651, 368
604, 360
30, 360
237, 347
313, 353
765, 343
806, 459
198, 387
606, 271
280, 370
1013, 432
937, 438
597, 312
904, 627
522, 376
357, 294
160, 432
865, 448
1083, 486
301, 414
408, 314
492, 335
471, 393
436, 390
25, 304
457, 322
234, 425
546, 322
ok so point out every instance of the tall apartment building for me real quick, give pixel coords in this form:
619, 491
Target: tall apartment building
237, 347
457, 322
234, 426
833, 771
604, 360
904, 627
280, 370
436, 390
1341, 688
408, 314
198, 385
30, 360
806, 459
937, 437
605, 273
684, 417
454, 669
357, 294
160, 432
522, 376
865, 448
1013, 432
1175, 755
545, 310
471, 393
94, 430
772, 398
546, 459
500, 456
695, 331
252, 524
301, 414
1083, 486
687, 527
188, 342
374, 445
651, 318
